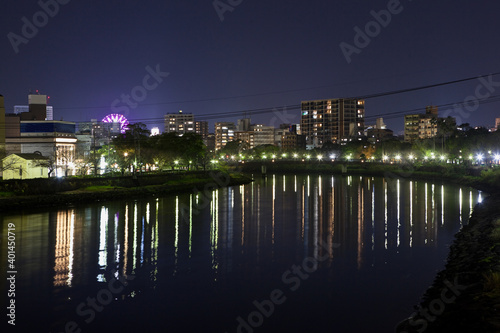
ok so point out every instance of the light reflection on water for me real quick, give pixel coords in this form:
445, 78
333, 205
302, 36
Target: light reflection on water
235, 243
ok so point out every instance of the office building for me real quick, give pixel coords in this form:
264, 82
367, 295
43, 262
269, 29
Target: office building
421, 126
247, 139
100, 133
263, 135
37, 108
55, 140
243, 125
224, 133
332, 120
378, 132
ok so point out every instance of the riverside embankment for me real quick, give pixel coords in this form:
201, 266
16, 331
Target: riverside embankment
38, 193
465, 296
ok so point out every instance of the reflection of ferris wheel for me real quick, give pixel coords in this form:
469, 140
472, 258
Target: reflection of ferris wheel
117, 118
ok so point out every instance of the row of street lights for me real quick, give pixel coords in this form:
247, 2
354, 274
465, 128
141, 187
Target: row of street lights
478, 158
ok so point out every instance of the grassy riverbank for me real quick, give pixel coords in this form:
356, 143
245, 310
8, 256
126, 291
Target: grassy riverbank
37, 193
465, 296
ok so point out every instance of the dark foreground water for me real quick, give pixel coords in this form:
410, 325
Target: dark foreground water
283, 254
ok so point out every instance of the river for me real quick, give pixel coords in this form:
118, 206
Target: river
286, 253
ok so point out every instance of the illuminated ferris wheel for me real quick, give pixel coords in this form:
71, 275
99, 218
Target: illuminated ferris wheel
117, 118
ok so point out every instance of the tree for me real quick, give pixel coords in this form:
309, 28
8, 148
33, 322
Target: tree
233, 148
129, 144
6, 165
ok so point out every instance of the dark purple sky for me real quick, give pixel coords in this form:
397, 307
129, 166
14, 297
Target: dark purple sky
273, 53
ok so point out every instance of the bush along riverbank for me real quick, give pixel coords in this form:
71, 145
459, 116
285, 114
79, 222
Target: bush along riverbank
465, 296
37, 193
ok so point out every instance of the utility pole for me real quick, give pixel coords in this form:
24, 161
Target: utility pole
95, 159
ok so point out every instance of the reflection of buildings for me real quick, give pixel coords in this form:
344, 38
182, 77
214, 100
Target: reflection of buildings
64, 248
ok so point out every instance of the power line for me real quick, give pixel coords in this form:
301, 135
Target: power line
369, 96
234, 114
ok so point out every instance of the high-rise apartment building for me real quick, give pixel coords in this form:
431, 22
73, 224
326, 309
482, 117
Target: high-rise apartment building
263, 135
243, 125
201, 128
332, 120
247, 138
497, 124
224, 133
180, 123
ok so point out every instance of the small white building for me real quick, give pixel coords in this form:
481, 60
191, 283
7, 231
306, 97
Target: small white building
25, 166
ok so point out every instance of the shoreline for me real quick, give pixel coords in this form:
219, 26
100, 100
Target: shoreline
101, 193
465, 295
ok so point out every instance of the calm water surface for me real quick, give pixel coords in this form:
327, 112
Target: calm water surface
282, 254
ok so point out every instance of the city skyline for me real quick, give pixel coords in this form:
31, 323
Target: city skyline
202, 60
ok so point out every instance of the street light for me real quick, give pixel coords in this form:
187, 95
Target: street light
320, 157
332, 156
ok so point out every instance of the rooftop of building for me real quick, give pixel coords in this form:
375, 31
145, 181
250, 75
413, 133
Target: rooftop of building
30, 157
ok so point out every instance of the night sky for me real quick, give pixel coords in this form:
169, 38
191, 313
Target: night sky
262, 55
